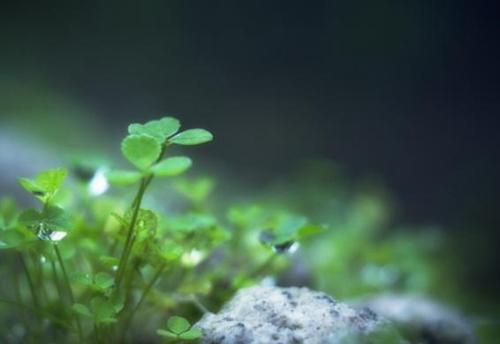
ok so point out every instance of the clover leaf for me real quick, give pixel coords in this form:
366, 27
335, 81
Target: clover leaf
123, 177
49, 224
171, 166
46, 184
141, 150
160, 129
103, 280
179, 328
103, 310
178, 324
192, 334
192, 137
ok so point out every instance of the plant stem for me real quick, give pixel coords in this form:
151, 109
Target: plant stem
70, 291
34, 295
147, 289
56, 278
199, 305
19, 298
127, 248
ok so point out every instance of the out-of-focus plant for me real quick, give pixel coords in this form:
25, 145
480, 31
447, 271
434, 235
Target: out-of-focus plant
87, 267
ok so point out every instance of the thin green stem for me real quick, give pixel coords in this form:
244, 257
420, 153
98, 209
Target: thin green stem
136, 205
129, 242
127, 248
19, 297
70, 291
199, 305
56, 278
147, 289
145, 293
38, 267
34, 295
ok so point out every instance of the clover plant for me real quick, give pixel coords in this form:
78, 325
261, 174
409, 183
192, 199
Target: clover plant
96, 267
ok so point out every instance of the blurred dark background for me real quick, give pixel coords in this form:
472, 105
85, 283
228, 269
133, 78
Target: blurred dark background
405, 91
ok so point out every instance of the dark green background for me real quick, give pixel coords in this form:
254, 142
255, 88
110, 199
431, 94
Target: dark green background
406, 91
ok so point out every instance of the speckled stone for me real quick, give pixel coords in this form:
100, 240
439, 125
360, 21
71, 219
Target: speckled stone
423, 320
262, 314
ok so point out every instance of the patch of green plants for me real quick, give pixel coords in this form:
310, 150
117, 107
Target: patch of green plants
85, 265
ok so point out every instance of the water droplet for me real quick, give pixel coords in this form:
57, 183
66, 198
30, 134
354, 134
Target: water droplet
57, 236
114, 267
43, 259
192, 258
286, 247
98, 184
44, 232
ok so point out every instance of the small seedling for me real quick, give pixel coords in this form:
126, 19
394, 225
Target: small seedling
178, 328
88, 265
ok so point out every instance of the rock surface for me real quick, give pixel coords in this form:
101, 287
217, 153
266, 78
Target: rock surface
261, 315
421, 319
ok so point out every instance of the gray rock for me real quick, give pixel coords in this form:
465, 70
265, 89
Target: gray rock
422, 320
263, 314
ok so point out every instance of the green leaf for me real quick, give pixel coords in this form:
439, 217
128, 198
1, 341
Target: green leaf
109, 261
57, 218
46, 184
146, 220
103, 311
171, 166
308, 230
196, 190
30, 186
51, 180
159, 129
192, 334
178, 324
192, 137
50, 224
78, 308
103, 280
288, 229
141, 150
12, 238
30, 218
117, 301
167, 334
123, 177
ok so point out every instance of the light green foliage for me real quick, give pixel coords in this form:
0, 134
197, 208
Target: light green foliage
179, 328
178, 324
141, 150
103, 280
46, 184
171, 166
132, 259
104, 310
82, 310
195, 190
123, 177
159, 129
192, 137
44, 224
